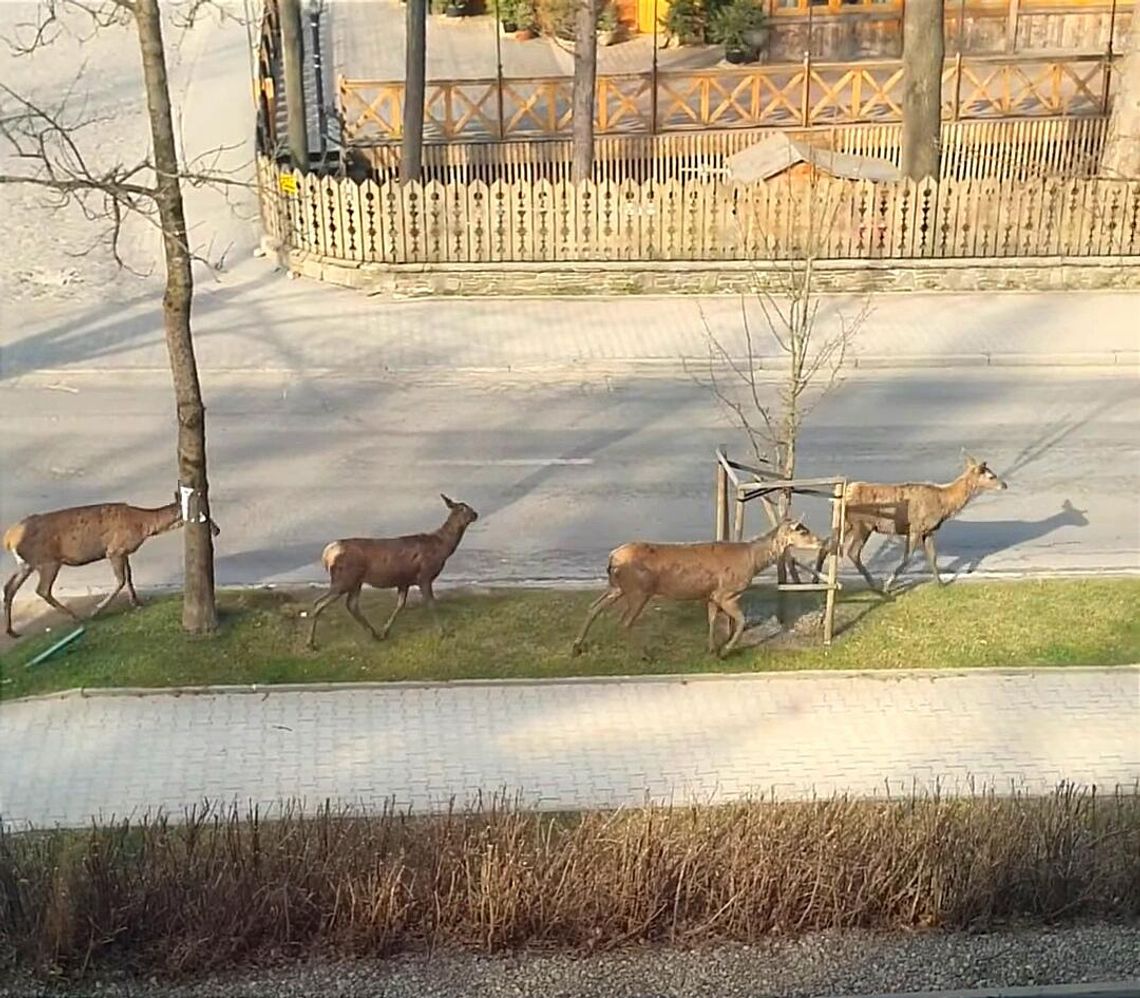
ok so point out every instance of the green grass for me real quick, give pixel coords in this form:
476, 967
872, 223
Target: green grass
528, 633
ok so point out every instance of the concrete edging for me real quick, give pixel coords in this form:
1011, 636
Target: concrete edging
680, 679
592, 278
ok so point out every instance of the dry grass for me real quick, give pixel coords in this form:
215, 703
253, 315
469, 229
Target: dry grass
219, 890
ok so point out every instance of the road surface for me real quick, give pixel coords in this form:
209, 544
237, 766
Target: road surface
562, 469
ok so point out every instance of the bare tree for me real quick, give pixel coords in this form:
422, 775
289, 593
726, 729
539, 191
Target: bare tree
782, 366
1121, 156
774, 375
585, 86
48, 141
415, 84
923, 52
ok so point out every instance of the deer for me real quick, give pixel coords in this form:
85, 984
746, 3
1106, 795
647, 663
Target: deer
912, 510
81, 535
718, 573
390, 563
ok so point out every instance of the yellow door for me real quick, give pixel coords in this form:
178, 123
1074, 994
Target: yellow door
645, 10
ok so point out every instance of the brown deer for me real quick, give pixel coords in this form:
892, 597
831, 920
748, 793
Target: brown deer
717, 573
80, 535
913, 511
391, 563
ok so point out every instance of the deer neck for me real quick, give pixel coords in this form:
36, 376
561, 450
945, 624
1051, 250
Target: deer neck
164, 518
765, 551
451, 533
957, 494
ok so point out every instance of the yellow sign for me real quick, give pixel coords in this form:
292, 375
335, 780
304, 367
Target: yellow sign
288, 183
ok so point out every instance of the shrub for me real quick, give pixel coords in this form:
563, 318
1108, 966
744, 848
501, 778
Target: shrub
686, 20
223, 888
737, 25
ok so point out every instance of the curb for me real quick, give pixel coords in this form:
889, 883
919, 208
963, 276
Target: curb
1111, 989
579, 584
661, 678
644, 365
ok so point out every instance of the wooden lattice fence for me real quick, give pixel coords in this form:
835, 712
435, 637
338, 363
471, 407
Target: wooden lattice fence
788, 95
828, 219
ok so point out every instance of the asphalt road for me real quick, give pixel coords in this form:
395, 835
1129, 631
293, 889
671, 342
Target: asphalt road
561, 471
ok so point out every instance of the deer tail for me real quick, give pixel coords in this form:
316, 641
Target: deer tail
331, 554
13, 535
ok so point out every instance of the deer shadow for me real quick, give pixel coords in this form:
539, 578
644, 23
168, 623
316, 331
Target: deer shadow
988, 537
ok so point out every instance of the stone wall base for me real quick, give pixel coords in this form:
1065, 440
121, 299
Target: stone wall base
728, 277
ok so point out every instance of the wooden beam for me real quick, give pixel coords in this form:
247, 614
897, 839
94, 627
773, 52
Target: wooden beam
1011, 26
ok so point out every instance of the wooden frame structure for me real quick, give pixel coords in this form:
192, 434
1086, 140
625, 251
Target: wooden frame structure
749, 483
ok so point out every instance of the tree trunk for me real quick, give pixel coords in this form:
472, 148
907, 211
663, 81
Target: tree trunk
923, 47
1121, 156
585, 84
199, 614
415, 77
293, 58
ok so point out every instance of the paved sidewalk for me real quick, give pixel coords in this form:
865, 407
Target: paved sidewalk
571, 744
260, 322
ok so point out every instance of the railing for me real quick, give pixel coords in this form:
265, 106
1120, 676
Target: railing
779, 96
1025, 148
786, 219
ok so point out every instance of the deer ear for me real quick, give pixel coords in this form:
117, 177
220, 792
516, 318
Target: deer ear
969, 459
447, 502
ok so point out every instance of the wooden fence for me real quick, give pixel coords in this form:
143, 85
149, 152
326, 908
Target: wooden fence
1023, 148
774, 96
828, 219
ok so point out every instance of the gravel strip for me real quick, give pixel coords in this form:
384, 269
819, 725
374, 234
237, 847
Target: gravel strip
823, 964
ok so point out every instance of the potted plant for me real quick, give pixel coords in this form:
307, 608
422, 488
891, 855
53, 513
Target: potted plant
741, 26
685, 22
526, 19
507, 13
608, 24
557, 17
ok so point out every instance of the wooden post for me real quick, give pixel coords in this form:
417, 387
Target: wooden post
499, 75
838, 511
653, 81
958, 85
806, 108
738, 525
721, 502
293, 59
1011, 26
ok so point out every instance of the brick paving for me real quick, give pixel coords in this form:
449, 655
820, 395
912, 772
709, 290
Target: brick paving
570, 744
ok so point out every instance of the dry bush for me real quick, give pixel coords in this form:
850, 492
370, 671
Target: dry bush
218, 889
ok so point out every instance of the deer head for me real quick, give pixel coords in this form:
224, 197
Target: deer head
464, 513
793, 534
981, 478
214, 528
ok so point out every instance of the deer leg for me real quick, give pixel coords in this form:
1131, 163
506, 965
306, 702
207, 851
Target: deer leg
730, 607
859, 537
48, 573
19, 577
135, 601
608, 597
401, 599
932, 557
633, 610
429, 601
910, 546
714, 614
353, 605
318, 608
120, 576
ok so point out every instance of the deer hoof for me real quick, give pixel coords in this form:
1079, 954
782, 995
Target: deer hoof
12, 634
576, 649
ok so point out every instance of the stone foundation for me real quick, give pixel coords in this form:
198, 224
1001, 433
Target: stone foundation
727, 277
